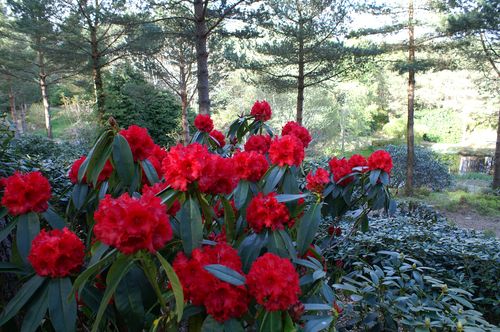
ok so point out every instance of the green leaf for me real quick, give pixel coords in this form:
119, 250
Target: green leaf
364, 223
289, 197
233, 325
271, 321
37, 309
317, 307
99, 152
241, 194
229, 219
54, 220
8, 228
150, 171
308, 227
211, 325
62, 311
191, 227
79, 195
123, 160
176, 285
116, 272
225, 274
95, 268
287, 240
6, 267
374, 175
250, 248
273, 179
21, 298
128, 299
27, 228
3, 212
315, 325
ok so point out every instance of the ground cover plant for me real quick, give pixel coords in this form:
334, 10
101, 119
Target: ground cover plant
215, 235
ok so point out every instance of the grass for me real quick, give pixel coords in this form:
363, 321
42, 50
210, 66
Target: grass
60, 123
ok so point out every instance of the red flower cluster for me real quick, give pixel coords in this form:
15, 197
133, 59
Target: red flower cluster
267, 212
222, 301
294, 129
219, 208
25, 193
250, 166
154, 189
218, 176
258, 143
287, 150
273, 282
132, 224
219, 137
316, 182
261, 111
57, 253
141, 144
204, 123
357, 160
184, 164
332, 230
103, 176
380, 159
339, 169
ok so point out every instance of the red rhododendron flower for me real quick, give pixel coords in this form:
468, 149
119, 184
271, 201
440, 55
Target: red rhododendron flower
154, 189
287, 150
296, 311
316, 182
250, 166
339, 169
273, 282
219, 137
204, 123
267, 212
219, 208
357, 160
258, 143
174, 208
141, 144
294, 129
218, 176
221, 237
103, 176
25, 193
380, 159
332, 230
261, 111
222, 301
57, 253
132, 224
184, 164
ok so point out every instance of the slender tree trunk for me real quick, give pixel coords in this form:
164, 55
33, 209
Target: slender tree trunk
24, 110
496, 170
202, 57
410, 137
342, 130
97, 74
12, 106
185, 124
45, 96
300, 81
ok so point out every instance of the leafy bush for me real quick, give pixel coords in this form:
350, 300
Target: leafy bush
198, 235
130, 99
428, 171
460, 258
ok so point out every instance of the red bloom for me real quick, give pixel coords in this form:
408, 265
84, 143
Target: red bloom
380, 159
332, 230
357, 160
154, 189
258, 143
267, 212
204, 123
219, 208
184, 164
174, 208
140, 142
57, 253
316, 182
296, 311
221, 300
250, 166
287, 150
25, 193
132, 224
339, 169
218, 176
103, 176
157, 155
261, 111
219, 137
294, 129
273, 282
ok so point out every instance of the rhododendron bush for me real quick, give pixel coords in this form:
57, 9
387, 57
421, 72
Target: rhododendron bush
214, 235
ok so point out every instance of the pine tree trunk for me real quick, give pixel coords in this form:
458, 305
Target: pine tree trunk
45, 96
300, 82
496, 170
410, 137
202, 57
97, 74
185, 124
12, 106
24, 110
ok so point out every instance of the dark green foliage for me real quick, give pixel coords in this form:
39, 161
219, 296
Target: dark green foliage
130, 99
428, 171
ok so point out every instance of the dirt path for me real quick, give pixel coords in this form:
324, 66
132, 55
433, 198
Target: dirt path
472, 220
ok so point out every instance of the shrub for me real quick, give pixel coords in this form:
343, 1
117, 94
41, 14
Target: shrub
184, 235
428, 171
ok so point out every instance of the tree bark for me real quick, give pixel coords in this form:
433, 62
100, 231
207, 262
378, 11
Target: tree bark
202, 57
45, 96
410, 137
185, 124
496, 170
24, 110
12, 106
97, 74
300, 80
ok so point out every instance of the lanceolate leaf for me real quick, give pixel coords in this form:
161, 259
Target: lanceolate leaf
211, 325
250, 248
176, 286
128, 299
318, 324
150, 171
62, 305
308, 227
191, 227
229, 219
21, 298
96, 153
226, 274
79, 195
54, 220
289, 197
27, 228
91, 270
8, 229
241, 194
37, 309
271, 321
123, 159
